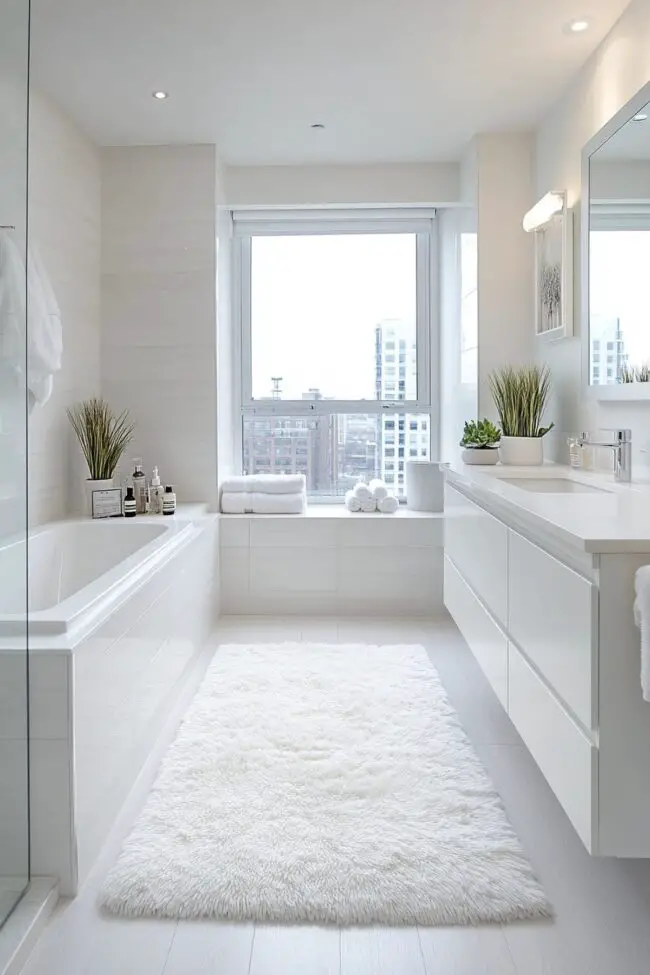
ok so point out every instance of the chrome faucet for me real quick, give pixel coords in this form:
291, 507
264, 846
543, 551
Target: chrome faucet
621, 444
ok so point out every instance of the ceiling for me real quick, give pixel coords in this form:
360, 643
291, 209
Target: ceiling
391, 80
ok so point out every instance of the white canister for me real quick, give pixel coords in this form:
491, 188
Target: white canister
521, 451
424, 485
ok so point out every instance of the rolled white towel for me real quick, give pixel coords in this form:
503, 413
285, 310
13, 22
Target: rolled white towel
378, 488
236, 502
388, 505
362, 492
352, 503
264, 484
369, 505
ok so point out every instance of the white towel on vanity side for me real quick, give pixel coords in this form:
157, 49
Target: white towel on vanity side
264, 484
642, 620
245, 502
388, 505
379, 489
352, 503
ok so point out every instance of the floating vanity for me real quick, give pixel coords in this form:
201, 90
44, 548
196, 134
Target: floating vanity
539, 577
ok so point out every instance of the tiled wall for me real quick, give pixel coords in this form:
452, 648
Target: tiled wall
64, 225
88, 748
159, 308
379, 565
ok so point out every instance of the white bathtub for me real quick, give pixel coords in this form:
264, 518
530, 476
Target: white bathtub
79, 571
120, 613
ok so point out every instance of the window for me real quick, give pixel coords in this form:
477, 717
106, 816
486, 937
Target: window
325, 301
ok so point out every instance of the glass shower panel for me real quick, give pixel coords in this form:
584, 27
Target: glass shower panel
14, 670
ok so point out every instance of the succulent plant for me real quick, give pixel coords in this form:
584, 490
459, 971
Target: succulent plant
480, 435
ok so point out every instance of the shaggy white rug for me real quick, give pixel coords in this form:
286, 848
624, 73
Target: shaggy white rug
326, 784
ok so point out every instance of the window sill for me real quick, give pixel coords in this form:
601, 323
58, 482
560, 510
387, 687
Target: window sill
340, 511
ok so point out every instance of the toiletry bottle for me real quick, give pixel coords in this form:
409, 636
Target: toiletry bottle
139, 487
156, 493
169, 500
587, 453
130, 506
575, 452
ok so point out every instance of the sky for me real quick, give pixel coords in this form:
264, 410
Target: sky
315, 304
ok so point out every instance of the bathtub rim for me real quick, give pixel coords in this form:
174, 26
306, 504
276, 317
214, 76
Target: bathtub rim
64, 626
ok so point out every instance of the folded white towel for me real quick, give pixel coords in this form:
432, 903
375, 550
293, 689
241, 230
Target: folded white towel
352, 503
369, 505
388, 505
265, 484
642, 620
378, 488
243, 502
362, 492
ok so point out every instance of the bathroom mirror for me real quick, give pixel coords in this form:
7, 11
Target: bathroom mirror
616, 254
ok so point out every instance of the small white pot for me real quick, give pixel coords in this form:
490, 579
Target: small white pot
521, 451
91, 485
474, 455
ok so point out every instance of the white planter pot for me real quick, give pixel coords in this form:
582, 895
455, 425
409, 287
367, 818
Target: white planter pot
521, 451
89, 486
424, 485
473, 455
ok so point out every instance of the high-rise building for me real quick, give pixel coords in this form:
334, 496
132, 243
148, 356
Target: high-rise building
401, 436
293, 444
608, 356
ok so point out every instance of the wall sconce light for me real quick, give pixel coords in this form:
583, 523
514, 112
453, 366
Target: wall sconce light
544, 210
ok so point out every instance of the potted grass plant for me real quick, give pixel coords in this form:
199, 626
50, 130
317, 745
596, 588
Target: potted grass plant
521, 397
103, 437
480, 442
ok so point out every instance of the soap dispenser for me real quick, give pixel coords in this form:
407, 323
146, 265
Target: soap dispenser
156, 493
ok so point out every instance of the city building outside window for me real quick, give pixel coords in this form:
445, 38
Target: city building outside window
326, 301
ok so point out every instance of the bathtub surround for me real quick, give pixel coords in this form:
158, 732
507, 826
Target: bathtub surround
114, 632
351, 796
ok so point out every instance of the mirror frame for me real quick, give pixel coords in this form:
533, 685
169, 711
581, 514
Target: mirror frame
618, 391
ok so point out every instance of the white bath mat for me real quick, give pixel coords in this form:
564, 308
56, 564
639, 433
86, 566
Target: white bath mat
327, 784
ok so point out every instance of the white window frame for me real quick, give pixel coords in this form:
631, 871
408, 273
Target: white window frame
418, 221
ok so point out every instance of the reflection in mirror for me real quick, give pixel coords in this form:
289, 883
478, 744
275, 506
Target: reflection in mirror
619, 255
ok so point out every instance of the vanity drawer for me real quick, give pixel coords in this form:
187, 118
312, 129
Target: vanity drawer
563, 752
552, 616
486, 641
477, 544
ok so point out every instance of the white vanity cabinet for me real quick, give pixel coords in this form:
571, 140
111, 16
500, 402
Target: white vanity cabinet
552, 628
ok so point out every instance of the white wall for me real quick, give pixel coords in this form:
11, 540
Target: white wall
65, 227
227, 407
504, 192
387, 185
159, 308
614, 73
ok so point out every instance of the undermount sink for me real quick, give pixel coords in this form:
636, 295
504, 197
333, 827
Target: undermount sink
552, 485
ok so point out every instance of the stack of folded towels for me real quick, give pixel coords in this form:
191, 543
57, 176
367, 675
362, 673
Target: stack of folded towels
371, 497
264, 494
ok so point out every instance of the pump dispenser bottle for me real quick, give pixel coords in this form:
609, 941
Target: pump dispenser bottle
139, 487
156, 493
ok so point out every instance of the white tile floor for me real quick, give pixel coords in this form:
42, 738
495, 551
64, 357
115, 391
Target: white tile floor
602, 925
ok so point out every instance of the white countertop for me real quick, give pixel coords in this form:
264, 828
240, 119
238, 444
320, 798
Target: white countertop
616, 518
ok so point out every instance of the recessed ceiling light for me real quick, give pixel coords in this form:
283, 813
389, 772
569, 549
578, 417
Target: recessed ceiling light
317, 125
579, 25
160, 95
639, 117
